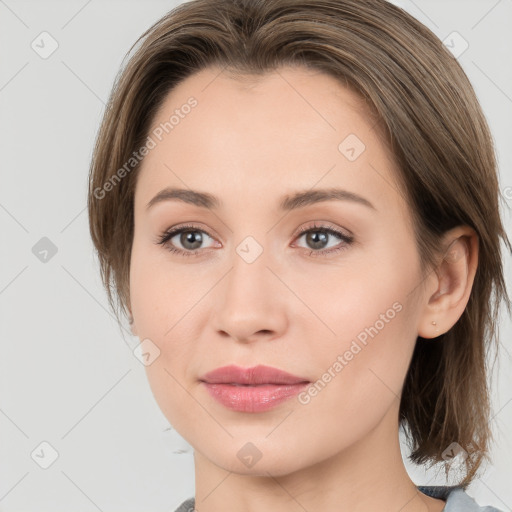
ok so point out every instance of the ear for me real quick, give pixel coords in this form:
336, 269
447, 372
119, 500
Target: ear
449, 286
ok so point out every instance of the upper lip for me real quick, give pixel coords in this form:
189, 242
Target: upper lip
250, 376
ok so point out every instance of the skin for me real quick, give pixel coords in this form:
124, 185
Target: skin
249, 144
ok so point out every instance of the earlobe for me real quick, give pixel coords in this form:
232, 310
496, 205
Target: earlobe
452, 281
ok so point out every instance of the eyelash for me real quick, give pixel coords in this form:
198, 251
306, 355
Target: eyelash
168, 235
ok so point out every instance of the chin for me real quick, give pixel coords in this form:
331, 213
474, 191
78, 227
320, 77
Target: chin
245, 459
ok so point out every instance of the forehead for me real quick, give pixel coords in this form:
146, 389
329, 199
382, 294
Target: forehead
309, 98
293, 126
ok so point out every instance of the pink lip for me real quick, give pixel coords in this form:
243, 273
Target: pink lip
254, 389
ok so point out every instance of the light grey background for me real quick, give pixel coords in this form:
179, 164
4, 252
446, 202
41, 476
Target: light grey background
67, 375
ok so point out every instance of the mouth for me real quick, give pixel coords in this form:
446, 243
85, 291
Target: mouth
256, 389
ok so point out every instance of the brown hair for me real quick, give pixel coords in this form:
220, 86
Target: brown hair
438, 133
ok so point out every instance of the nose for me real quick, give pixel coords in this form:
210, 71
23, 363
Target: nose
250, 302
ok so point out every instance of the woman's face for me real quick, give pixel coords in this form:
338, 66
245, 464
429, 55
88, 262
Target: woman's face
261, 278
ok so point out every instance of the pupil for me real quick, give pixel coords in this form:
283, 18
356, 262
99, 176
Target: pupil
314, 238
192, 237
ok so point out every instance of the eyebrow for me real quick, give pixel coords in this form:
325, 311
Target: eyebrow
290, 202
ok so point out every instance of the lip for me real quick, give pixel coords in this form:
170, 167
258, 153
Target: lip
255, 389
260, 374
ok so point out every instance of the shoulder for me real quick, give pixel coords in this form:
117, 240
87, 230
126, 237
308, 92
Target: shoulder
187, 506
457, 500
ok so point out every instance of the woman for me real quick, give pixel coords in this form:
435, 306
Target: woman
296, 204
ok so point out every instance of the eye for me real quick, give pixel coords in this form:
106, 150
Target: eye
317, 238
189, 237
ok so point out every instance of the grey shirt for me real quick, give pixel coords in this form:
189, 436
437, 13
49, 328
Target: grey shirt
457, 500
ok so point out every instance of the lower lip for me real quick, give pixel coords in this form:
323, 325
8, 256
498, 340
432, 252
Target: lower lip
253, 398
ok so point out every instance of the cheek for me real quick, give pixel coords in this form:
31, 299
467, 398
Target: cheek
371, 353
157, 311
164, 313
375, 318
157, 295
